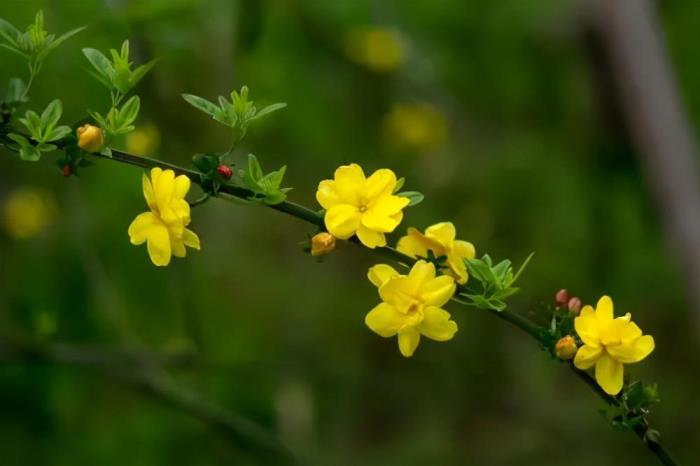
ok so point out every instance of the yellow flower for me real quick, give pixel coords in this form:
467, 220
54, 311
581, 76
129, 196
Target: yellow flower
609, 343
322, 244
411, 305
415, 126
379, 49
28, 211
363, 206
163, 228
440, 239
90, 138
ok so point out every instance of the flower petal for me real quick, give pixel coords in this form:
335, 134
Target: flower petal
457, 268
164, 186
326, 194
191, 239
349, 182
444, 233
342, 220
148, 193
604, 310
381, 215
370, 238
138, 230
632, 352
159, 245
586, 326
397, 291
438, 291
380, 274
413, 244
384, 320
182, 186
586, 356
463, 249
420, 273
178, 247
437, 325
381, 183
609, 374
408, 341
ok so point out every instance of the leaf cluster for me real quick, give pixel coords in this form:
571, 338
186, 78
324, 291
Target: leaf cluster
236, 113
635, 403
43, 130
560, 325
265, 186
118, 121
489, 285
116, 73
35, 43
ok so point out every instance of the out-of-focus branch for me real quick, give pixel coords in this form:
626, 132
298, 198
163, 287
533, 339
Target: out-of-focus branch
146, 371
633, 49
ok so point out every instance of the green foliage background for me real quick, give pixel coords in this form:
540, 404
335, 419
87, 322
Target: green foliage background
533, 160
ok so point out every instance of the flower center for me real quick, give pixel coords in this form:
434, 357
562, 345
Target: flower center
363, 208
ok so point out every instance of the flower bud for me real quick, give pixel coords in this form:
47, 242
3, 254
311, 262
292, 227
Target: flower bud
66, 171
90, 138
322, 243
566, 347
224, 171
574, 305
562, 297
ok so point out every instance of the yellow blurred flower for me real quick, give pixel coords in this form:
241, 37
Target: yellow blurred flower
414, 126
27, 212
609, 343
90, 138
363, 206
379, 49
163, 228
440, 239
144, 140
411, 305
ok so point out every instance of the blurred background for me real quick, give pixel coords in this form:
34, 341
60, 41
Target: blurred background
564, 128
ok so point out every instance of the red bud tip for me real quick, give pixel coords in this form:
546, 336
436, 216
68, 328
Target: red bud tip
224, 171
574, 305
66, 171
562, 297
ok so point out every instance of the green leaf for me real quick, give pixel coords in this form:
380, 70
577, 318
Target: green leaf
129, 112
201, 104
9, 32
51, 115
15, 50
15, 91
414, 197
399, 184
101, 63
141, 71
254, 168
58, 41
58, 133
27, 151
267, 110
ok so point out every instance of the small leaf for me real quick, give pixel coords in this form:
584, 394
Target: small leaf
15, 91
267, 110
129, 111
199, 103
9, 32
399, 184
58, 133
51, 115
58, 41
100, 62
254, 167
15, 50
141, 71
414, 196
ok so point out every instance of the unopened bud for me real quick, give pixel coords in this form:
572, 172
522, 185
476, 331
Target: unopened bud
574, 305
224, 171
66, 171
566, 347
562, 297
90, 138
322, 243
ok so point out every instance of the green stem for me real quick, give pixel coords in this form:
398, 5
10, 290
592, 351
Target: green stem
316, 218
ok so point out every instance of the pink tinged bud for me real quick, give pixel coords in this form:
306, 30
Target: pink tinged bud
574, 305
224, 171
66, 171
562, 297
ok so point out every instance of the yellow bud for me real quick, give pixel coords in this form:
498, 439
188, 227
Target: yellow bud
322, 243
566, 347
90, 138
